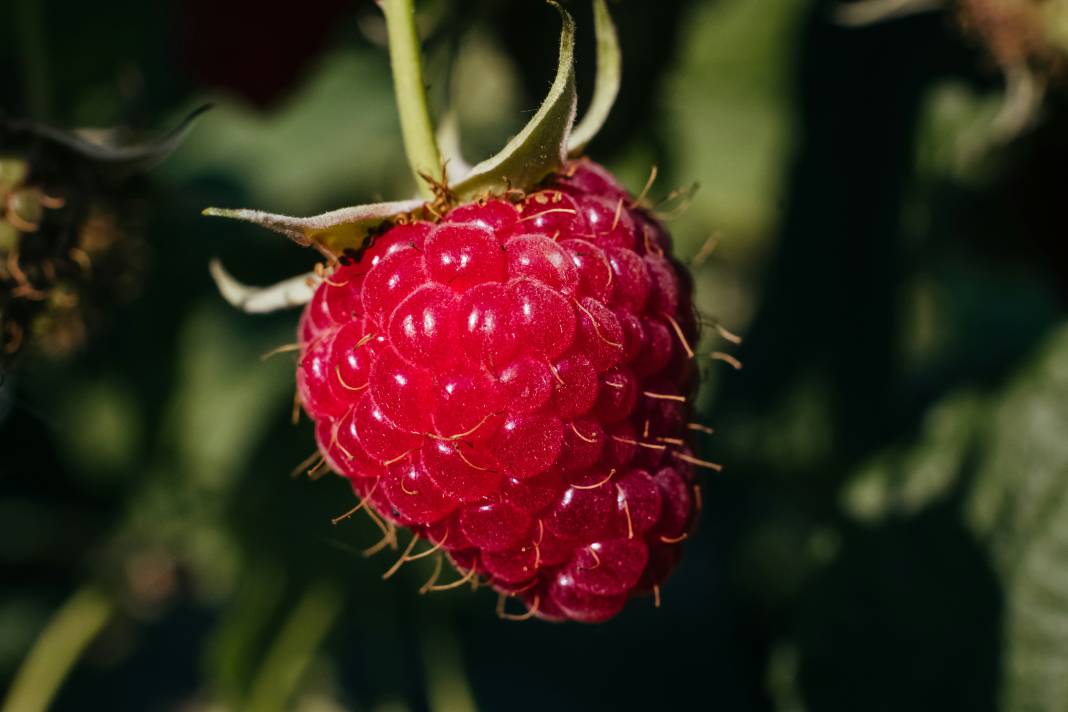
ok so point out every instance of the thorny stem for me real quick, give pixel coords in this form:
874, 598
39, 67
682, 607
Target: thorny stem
416, 125
57, 649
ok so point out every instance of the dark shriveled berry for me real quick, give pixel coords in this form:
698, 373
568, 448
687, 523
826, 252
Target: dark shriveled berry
510, 383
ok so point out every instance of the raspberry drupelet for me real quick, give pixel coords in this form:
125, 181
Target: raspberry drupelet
511, 384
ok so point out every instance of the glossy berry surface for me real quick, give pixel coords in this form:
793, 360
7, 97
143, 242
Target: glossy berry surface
510, 383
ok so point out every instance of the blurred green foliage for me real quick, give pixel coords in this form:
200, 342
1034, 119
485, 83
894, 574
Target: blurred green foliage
890, 532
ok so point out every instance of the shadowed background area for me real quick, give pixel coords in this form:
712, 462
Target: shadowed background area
891, 528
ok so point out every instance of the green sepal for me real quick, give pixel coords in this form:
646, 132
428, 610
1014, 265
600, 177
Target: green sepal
331, 233
606, 83
541, 147
293, 292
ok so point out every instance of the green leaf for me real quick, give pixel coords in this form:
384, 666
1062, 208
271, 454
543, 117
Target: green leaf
331, 233
1006, 455
541, 147
904, 481
1035, 621
1020, 505
606, 87
112, 160
872, 12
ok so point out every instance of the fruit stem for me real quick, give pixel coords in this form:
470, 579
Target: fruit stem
416, 125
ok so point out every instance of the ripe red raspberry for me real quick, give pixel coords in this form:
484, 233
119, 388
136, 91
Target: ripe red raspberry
510, 384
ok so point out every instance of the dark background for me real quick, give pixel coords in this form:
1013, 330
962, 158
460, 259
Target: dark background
891, 529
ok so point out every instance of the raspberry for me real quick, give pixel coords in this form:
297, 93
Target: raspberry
507, 377
510, 384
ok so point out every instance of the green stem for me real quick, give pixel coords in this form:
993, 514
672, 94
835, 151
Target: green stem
447, 681
293, 649
57, 649
416, 125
